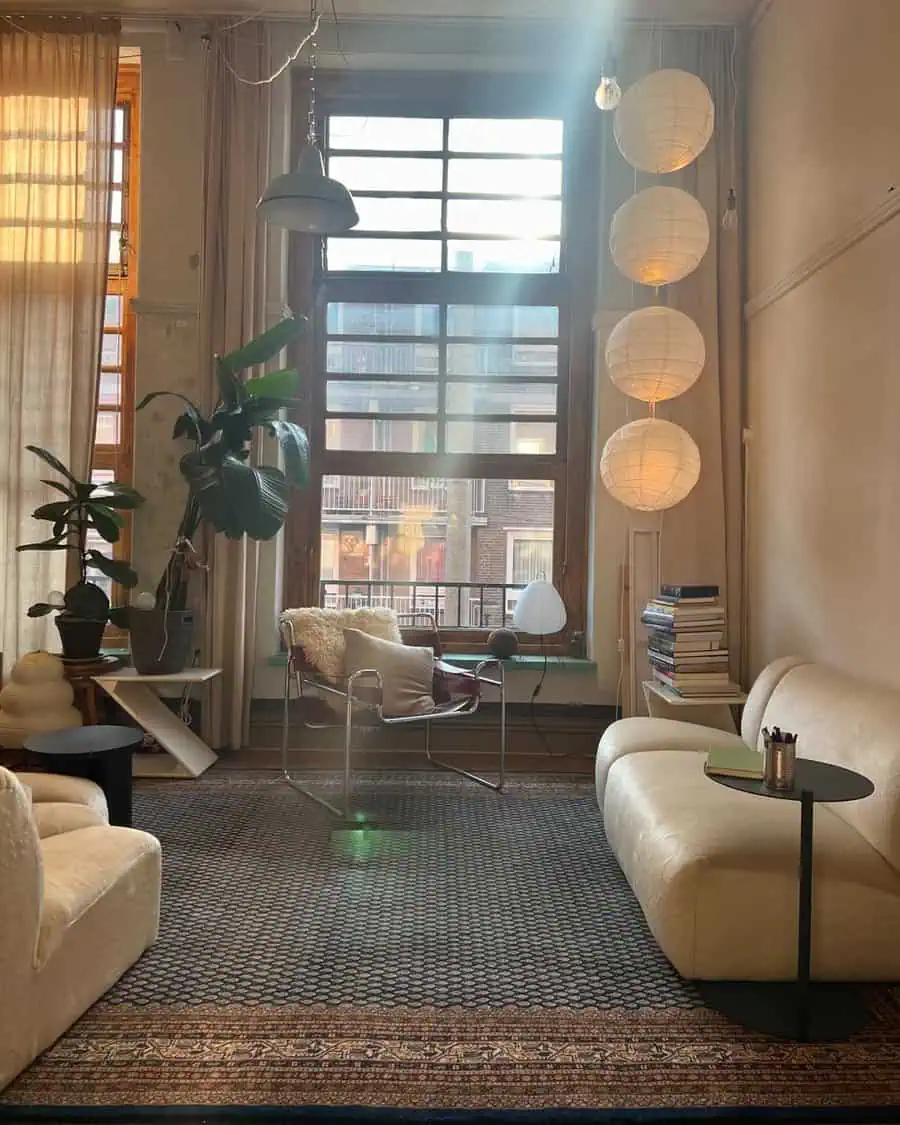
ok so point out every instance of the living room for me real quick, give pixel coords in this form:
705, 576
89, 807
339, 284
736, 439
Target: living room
450, 436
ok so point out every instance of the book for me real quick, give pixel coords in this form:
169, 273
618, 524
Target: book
680, 610
735, 761
720, 690
679, 624
673, 599
697, 668
666, 640
688, 591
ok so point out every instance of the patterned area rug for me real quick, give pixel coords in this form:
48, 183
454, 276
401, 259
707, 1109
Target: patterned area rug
457, 949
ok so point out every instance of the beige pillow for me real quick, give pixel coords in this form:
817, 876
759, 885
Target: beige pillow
406, 671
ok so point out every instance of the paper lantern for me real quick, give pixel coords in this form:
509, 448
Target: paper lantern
655, 353
659, 236
650, 464
664, 121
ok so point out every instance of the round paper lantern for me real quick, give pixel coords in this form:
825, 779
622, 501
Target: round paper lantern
655, 353
664, 121
659, 236
650, 464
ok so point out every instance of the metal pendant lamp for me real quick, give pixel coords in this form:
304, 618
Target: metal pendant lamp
306, 199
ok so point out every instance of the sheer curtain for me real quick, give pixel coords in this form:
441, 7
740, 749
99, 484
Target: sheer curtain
57, 96
232, 311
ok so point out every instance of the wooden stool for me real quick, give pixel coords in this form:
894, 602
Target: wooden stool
80, 674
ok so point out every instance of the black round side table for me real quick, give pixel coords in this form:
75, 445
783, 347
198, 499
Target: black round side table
101, 754
802, 1009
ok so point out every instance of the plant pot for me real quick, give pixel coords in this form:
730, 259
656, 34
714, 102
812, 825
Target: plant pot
81, 638
161, 643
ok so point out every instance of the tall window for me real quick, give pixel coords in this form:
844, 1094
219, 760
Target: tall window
113, 441
449, 354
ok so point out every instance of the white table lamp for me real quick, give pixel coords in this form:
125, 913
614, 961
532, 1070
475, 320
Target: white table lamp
540, 610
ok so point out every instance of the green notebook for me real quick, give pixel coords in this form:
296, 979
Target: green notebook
735, 761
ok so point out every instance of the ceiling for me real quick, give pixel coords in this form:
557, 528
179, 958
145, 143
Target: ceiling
661, 11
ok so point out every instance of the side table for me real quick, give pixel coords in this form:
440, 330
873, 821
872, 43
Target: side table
102, 754
136, 695
811, 1011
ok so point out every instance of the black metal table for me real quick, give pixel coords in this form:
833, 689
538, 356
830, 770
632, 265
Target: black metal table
101, 754
800, 1009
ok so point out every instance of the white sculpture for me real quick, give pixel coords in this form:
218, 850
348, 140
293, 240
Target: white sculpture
38, 698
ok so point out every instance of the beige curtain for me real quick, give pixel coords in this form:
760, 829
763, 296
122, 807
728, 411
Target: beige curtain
232, 310
703, 535
57, 95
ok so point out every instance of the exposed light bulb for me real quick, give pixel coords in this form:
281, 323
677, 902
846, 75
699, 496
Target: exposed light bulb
730, 218
609, 93
57, 599
144, 600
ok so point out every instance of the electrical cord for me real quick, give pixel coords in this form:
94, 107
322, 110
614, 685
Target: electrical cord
545, 742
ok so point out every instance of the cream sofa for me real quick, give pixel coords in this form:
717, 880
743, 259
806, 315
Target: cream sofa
79, 905
715, 870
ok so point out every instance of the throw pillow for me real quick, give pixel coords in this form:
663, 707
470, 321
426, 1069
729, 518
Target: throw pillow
320, 633
406, 672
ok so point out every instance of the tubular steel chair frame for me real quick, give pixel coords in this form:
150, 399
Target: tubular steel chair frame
352, 703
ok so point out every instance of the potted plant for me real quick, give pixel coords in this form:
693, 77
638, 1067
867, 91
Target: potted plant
84, 610
226, 492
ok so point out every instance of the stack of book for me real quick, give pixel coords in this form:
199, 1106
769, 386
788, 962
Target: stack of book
686, 625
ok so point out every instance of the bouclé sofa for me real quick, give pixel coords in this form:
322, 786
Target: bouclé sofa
79, 905
715, 870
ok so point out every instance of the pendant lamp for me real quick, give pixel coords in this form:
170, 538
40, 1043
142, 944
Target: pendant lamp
650, 465
659, 236
664, 121
306, 199
655, 353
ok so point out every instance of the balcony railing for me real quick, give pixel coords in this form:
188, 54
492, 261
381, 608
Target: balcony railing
426, 497
455, 605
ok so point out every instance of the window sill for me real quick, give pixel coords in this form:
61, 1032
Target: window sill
564, 664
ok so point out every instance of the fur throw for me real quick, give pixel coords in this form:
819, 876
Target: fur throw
320, 633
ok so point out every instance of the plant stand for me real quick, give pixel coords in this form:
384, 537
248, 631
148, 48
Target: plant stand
136, 695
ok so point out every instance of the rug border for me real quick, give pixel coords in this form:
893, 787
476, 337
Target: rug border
374, 1115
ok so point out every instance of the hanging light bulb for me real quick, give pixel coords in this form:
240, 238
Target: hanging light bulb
306, 199
609, 93
730, 218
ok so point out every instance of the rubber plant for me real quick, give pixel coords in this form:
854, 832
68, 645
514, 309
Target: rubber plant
85, 507
225, 491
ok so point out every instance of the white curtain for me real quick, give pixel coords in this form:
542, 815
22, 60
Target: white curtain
232, 311
57, 97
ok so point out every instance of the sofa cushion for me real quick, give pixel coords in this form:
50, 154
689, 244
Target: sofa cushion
406, 672
638, 735
61, 787
53, 817
715, 872
80, 867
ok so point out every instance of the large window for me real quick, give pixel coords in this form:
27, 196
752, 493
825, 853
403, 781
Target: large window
113, 440
448, 355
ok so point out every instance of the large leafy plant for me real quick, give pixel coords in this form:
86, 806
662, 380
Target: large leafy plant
86, 507
225, 490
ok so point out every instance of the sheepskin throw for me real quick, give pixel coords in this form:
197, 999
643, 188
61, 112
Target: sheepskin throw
320, 633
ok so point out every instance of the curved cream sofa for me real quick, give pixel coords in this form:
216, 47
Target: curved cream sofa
79, 905
715, 870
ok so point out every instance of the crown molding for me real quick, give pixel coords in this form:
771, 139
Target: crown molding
888, 209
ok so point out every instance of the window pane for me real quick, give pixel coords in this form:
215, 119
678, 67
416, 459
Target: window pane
425, 133
384, 254
395, 542
102, 476
382, 320
119, 125
383, 397
110, 389
503, 257
387, 173
111, 354
501, 437
502, 320
501, 398
115, 248
107, 432
502, 359
398, 214
381, 435
118, 164
115, 206
525, 218
112, 313
505, 177
513, 135
382, 359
